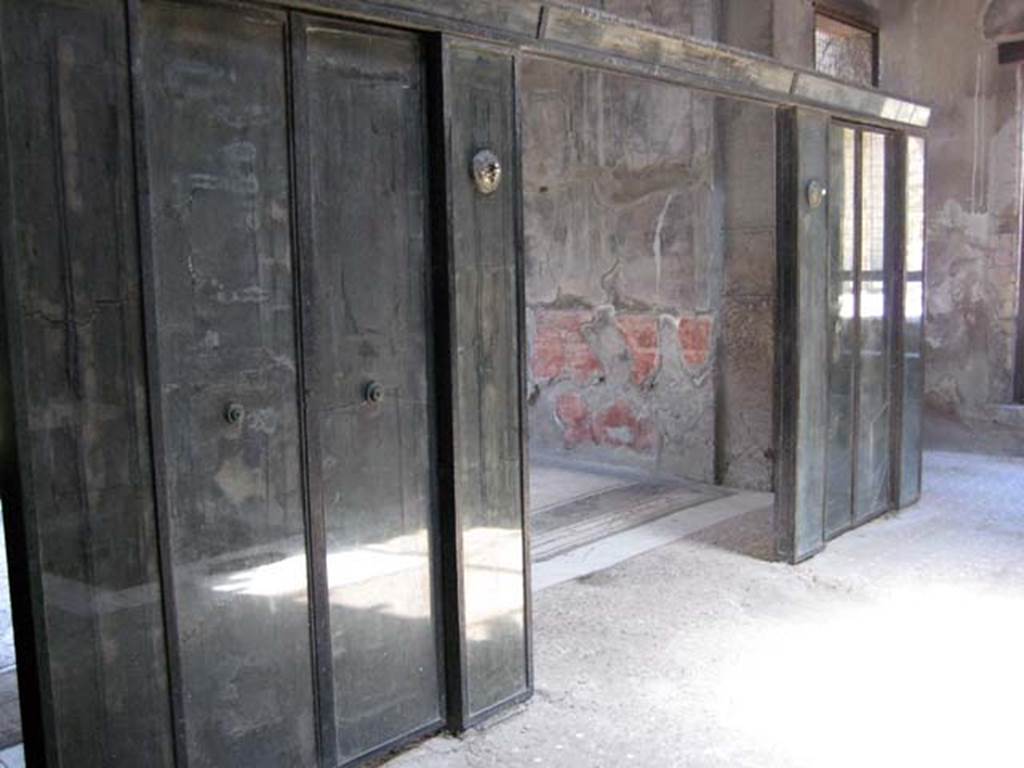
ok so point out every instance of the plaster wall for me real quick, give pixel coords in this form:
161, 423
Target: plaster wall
1003, 20
783, 29
937, 51
650, 235
623, 268
745, 445
623, 260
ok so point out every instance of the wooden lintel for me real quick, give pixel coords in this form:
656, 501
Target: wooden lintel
590, 37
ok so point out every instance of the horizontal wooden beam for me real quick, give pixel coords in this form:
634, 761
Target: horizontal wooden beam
590, 37
597, 38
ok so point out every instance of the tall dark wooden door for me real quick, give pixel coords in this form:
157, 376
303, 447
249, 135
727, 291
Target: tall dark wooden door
287, 242
219, 245
362, 177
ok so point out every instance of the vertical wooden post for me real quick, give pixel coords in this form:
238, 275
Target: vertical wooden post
486, 557
801, 385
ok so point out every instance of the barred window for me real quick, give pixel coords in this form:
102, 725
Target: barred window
845, 50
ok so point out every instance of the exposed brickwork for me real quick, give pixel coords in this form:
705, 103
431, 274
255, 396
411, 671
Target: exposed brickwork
561, 350
641, 334
695, 340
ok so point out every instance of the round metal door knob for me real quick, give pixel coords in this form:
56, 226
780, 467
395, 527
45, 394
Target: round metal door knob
374, 392
234, 413
486, 172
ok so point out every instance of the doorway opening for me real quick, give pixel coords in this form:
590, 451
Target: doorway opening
650, 279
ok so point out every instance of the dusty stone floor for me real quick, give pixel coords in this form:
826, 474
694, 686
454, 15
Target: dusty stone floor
6, 627
900, 645
1002, 433
13, 757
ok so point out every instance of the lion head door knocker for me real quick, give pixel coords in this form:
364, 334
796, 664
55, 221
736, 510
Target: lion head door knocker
816, 193
486, 172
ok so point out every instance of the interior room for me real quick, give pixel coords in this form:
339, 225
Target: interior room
649, 220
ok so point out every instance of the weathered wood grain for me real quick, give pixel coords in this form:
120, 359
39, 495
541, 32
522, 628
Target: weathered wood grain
78, 370
825, 91
594, 37
366, 278
485, 249
583, 35
802, 357
219, 248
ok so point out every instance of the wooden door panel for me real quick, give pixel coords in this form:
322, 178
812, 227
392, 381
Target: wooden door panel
360, 98
217, 149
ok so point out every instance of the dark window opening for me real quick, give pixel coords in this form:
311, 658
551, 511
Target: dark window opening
845, 50
1012, 52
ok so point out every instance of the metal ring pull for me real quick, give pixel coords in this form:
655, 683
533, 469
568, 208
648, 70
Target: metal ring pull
373, 393
234, 413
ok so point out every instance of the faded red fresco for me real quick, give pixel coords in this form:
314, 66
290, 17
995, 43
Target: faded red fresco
695, 339
619, 425
560, 348
641, 334
574, 417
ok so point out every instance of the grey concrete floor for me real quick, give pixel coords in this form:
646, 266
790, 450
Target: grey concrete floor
901, 645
